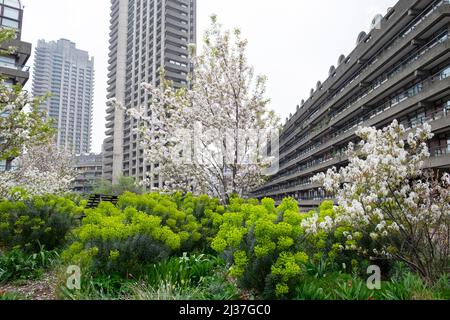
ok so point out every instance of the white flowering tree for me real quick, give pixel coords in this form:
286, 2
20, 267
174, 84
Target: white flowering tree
385, 195
42, 169
21, 122
211, 138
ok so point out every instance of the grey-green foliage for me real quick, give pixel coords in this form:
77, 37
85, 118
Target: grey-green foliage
125, 184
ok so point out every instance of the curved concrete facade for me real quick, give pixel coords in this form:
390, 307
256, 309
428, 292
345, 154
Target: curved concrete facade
399, 70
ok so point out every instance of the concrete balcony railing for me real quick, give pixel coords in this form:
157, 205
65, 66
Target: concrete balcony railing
440, 158
178, 58
178, 32
407, 70
109, 140
176, 14
288, 190
177, 49
416, 62
110, 116
440, 9
431, 87
176, 6
314, 168
108, 154
175, 39
175, 76
176, 22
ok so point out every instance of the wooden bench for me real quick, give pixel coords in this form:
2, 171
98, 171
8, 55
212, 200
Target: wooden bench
95, 200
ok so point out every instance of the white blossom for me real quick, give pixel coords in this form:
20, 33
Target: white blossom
42, 169
202, 136
386, 194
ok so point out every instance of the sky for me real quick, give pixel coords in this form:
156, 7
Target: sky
292, 42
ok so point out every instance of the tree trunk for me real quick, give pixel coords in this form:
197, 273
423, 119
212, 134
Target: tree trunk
8, 165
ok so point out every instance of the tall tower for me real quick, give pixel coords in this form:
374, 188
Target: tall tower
12, 63
67, 73
146, 35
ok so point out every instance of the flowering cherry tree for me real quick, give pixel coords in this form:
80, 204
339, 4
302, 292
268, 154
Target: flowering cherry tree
386, 196
211, 137
42, 169
21, 122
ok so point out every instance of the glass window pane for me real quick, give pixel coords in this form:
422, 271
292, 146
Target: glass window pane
11, 13
10, 23
12, 3
9, 60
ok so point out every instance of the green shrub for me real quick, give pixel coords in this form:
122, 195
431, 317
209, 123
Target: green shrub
11, 296
185, 270
411, 287
264, 245
17, 265
164, 291
195, 219
333, 286
353, 289
114, 241
179, 221
142, 230
41, 220
218, 288
312, 290
190, 277
99, 287
442, 287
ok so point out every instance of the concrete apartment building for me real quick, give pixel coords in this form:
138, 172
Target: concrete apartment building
89, 168
12, 64
145, 36
399, 70
67, 73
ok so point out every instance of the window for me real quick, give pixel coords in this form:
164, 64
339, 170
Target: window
10, 23
447, 107
11, 13
444, 74
12, 3
7, 61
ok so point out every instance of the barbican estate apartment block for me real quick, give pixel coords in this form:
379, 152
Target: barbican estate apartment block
145, 36
399, 70
12, 63
67, 73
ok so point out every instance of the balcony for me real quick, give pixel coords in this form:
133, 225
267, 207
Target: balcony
401, 74
430, 87
176, 6
436, 48
20, 74
22, 50
440, 158
435, 12
108, 154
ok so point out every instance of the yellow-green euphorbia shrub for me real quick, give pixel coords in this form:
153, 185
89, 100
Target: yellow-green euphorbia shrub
143, 229
265, 243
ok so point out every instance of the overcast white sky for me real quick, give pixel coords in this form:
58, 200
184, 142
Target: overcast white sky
293, 42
